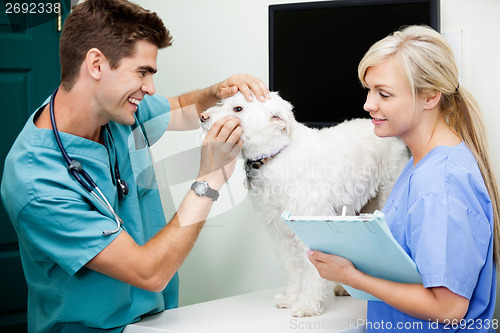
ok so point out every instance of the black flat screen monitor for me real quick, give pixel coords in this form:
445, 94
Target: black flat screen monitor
315, 49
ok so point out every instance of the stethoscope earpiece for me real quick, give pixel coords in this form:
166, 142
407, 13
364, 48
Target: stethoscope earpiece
76, 169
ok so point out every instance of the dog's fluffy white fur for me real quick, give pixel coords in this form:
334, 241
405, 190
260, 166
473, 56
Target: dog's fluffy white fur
313, 172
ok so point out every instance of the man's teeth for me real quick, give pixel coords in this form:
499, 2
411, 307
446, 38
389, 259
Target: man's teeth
134, 101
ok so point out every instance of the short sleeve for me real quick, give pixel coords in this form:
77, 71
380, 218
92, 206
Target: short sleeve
448, 241
153, 116
66, 230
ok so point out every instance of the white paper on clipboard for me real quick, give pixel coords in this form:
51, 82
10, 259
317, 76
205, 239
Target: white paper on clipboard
365, 240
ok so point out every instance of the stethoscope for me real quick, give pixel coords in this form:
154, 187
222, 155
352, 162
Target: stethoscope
76, 169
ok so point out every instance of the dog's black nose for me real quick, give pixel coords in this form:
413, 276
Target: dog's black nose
238, 109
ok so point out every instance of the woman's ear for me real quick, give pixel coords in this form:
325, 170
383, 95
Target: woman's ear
432, 99
94, 61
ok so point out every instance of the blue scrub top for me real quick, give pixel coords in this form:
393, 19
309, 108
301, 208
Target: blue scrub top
59, 224
441, 214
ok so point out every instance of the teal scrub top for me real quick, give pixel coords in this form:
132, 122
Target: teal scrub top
59, 224
440, 212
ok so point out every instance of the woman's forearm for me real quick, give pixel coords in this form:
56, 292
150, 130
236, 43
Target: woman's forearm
437, 303
433, 304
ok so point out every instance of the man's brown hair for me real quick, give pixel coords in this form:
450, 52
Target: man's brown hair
113, 27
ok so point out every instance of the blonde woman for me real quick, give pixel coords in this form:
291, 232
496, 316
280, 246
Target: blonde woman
444, 208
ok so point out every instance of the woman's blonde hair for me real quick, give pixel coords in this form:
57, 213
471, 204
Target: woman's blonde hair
429, 65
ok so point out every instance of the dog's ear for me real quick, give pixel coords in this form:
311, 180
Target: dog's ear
280, 123
282, 112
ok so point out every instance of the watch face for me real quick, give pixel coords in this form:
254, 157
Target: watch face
201, 188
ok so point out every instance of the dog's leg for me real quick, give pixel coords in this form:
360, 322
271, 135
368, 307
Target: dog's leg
292, 290
293, 266
315, 290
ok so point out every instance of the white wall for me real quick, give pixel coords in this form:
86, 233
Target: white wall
214, 39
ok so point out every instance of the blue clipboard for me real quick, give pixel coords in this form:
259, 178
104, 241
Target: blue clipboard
365, 240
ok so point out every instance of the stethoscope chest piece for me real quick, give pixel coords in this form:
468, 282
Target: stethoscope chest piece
122, 188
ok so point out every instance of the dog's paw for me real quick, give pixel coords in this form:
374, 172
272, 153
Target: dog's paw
282, 301
306, 311
340, 291
305, 307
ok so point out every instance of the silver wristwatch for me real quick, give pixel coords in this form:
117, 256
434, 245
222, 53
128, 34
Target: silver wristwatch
202, 189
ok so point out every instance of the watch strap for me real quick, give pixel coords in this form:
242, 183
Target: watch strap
212, 194
209, 192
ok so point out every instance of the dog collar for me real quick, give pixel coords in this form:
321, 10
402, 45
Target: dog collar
256, 164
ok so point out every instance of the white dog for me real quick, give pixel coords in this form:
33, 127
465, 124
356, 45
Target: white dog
308, 172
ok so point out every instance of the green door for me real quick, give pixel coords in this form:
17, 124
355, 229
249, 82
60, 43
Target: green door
29, 71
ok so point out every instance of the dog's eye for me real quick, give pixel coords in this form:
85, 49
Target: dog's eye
238, 109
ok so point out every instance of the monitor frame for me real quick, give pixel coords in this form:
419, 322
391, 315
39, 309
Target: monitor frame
434, 22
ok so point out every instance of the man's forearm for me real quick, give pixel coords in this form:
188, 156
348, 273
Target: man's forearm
168, 249
186, 109
202, 99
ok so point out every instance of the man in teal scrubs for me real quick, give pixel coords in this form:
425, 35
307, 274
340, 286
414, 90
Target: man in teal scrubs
79, 279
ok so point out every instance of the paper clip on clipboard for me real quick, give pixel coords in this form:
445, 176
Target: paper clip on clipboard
365, 240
